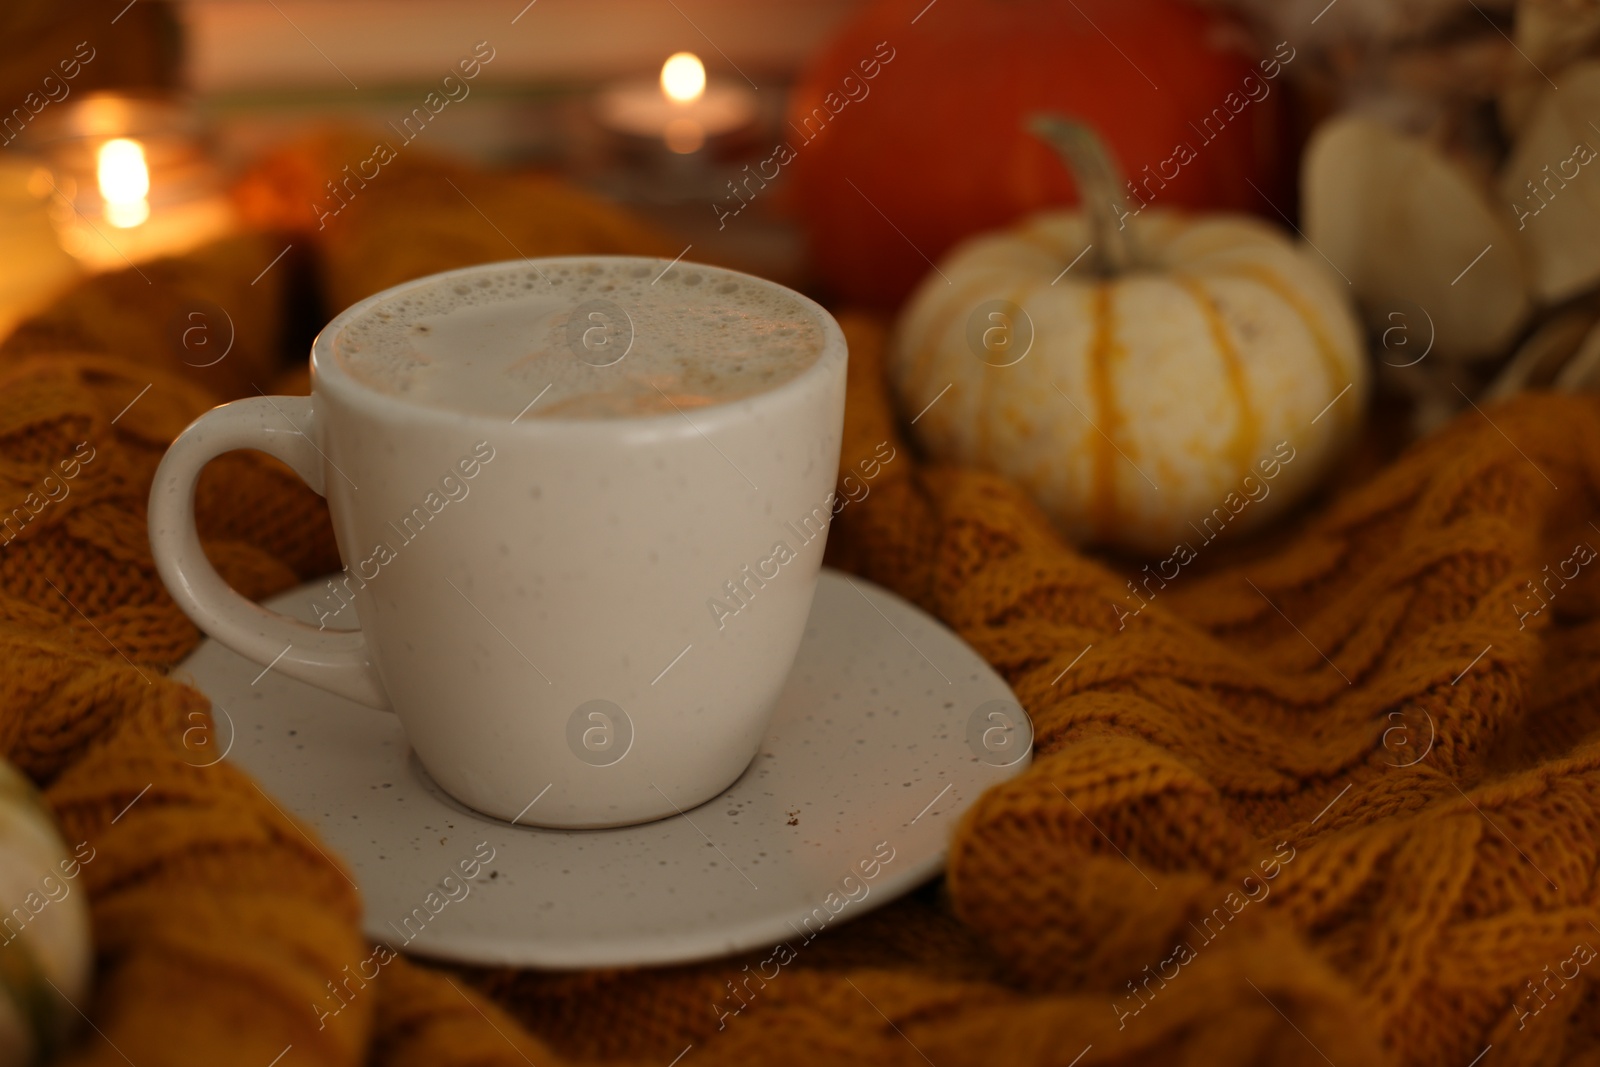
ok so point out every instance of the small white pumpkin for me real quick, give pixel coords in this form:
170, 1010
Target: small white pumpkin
1139, 374
44, 928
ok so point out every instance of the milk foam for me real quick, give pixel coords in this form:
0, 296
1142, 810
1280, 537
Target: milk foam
589, 339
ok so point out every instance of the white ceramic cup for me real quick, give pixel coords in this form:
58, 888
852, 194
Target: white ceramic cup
592, 627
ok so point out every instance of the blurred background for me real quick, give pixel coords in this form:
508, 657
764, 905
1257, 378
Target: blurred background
251, 76
843, 146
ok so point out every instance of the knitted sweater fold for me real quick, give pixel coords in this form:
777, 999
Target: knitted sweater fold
1338, 800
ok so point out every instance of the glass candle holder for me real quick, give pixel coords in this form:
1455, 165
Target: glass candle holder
130, 179
681, 109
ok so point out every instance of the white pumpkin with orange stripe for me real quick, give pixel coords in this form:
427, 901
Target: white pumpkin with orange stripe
46, 955
1150, 378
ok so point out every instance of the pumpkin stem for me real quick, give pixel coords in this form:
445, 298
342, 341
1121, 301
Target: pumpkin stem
1099, 188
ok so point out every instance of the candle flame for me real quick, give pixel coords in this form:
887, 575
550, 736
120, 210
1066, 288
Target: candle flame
683, 77
124, 182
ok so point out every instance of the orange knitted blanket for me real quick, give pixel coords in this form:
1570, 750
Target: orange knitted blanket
1336, 803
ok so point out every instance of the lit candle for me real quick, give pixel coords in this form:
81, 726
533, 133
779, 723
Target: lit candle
682, 108
683, 81
132, 183
124, 180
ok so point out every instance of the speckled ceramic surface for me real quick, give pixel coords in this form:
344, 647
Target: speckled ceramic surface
635, 583
888, 728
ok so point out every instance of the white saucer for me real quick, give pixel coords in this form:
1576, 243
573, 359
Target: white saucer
887, 730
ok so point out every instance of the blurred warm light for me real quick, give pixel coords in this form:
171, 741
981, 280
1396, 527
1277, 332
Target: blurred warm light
124, 182
683, 77
684, 136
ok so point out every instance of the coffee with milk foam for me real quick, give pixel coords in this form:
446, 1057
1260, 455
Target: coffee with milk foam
587, 339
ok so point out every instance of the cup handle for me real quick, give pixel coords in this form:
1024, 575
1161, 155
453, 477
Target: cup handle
281, 426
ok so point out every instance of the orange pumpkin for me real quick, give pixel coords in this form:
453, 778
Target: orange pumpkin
907, 128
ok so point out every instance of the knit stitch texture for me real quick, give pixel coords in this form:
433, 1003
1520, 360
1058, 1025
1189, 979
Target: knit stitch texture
1336, 801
